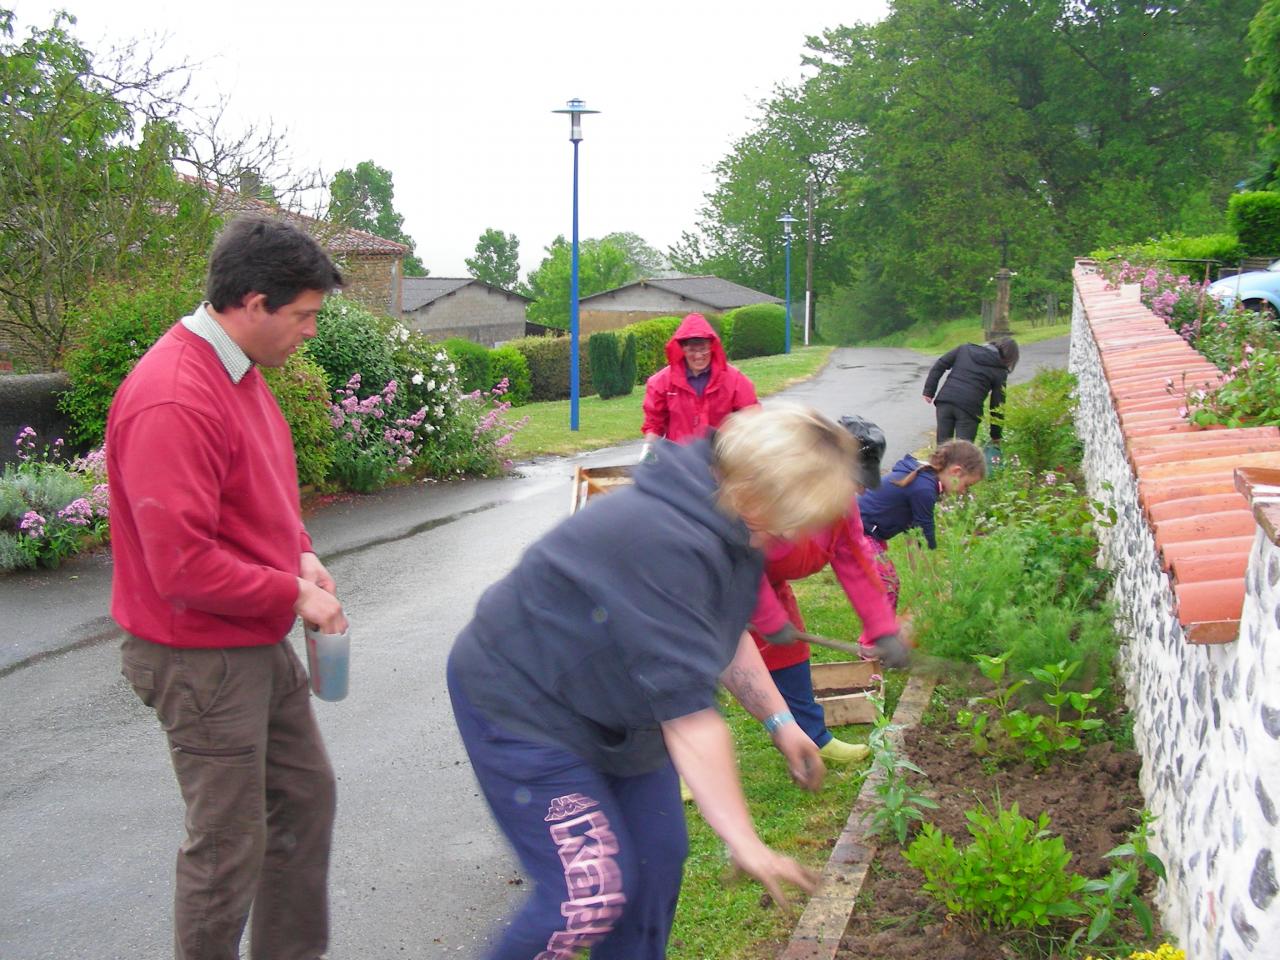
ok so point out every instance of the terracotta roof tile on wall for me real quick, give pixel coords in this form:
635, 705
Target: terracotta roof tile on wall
1188, 478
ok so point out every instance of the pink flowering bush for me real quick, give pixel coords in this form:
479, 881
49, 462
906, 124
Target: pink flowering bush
1242, 344
371, 444
50, 508
474, 441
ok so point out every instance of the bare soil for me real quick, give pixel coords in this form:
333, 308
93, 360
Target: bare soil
1092, 801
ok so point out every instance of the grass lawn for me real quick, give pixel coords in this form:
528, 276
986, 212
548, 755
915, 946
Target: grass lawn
934, 338
603, 423
718, 918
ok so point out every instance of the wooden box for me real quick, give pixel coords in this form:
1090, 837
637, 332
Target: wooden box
841, 690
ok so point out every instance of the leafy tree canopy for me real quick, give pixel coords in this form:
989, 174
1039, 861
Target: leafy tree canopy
928, 134
497, 260
87, 185
1264, 68
362, 199
602, 265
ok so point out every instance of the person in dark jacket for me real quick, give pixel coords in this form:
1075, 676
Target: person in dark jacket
588, 677
976, 372
907, 497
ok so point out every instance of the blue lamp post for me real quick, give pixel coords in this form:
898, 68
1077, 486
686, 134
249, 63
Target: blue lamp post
575, 108
787, 220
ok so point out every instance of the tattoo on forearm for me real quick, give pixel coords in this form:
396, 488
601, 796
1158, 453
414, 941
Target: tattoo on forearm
742, 683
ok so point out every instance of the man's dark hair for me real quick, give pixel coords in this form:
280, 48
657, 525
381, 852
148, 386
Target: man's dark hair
256, 254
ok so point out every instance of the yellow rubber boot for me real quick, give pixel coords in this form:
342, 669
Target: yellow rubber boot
837, 751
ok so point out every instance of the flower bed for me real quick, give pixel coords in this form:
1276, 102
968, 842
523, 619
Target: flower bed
50, 506
1244, 345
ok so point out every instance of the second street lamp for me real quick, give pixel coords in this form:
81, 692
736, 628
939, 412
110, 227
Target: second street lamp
575, 108
787, 220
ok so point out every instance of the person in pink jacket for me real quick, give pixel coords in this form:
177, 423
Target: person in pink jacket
776, 621
697, 388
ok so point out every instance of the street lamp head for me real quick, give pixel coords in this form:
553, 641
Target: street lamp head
787, 220
575, 108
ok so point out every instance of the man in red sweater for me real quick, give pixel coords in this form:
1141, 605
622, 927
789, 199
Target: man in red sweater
212, 566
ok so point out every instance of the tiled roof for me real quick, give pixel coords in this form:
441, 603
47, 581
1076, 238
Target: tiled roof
711, 291
1196, 507
336, 239
419, 291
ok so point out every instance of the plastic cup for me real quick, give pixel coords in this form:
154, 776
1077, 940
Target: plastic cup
328, 662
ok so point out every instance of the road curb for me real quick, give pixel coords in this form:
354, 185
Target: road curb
821, 928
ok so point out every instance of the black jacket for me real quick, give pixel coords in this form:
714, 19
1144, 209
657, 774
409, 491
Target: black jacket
976, 371
620, 618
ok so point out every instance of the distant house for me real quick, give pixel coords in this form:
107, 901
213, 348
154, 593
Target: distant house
444, 307
664, 297
372, 266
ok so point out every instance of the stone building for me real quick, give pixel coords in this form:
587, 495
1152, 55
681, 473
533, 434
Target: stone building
664, 297
372, 266
444, 307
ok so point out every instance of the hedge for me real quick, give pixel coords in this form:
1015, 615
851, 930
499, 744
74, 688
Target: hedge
509, 363
1223, 247
1255, 218
758, 330
651, 338
115, 329
548, 360
472, 362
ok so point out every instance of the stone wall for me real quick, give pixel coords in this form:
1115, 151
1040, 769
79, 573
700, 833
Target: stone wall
373, 281
1206, 715
30, 400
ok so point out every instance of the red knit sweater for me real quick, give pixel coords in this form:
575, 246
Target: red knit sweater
206, 527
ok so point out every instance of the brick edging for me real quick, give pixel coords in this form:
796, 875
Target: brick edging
821, 927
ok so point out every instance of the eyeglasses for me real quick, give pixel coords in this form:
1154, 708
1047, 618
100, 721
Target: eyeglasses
696, 346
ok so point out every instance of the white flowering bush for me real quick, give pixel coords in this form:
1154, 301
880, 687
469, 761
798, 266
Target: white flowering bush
50, 508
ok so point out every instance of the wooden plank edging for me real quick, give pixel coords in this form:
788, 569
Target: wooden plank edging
821, 927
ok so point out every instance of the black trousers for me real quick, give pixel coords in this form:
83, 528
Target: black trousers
955, 422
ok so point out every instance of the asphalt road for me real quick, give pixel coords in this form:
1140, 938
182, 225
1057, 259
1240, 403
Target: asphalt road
90, 815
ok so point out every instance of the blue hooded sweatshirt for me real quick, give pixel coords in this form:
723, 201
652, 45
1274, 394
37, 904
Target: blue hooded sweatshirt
890, 509
620, 618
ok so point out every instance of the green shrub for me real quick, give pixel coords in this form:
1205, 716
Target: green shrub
300, 389
607, 374
472, 361
1223, 247
114, 329
651, 338
548, 360
1039, 424
758, 330
352, 339
1255, 218
509, 363
726, 332
627, 364
1013, 876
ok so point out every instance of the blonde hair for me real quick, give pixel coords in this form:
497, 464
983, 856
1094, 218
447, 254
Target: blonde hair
953, 452
786, 467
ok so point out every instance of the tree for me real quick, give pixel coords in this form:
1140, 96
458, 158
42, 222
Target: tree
1264, 68
362, 199
647, 261
928, 134
602, 265
88, 191
497, 260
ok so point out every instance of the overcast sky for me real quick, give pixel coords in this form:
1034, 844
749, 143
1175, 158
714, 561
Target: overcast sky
454, 98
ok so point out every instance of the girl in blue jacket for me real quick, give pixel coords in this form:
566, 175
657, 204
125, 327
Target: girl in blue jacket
908, 495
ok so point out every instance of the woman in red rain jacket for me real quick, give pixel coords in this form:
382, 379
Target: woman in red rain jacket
697, 388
